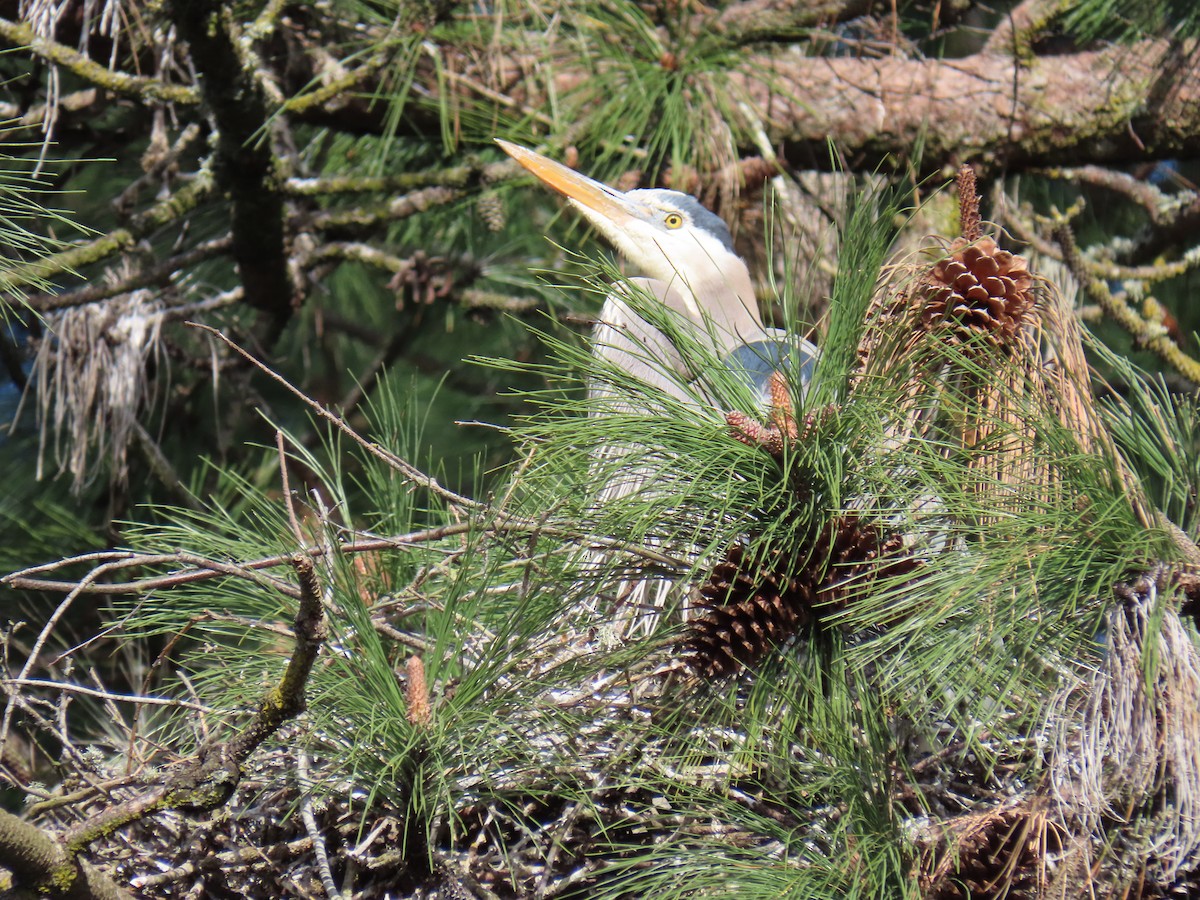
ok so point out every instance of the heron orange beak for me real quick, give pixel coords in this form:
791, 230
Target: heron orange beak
591, 195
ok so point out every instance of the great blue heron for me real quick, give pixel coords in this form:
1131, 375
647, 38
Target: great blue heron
686, 253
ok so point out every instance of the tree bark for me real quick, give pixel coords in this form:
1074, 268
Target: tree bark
1118, 104
245, 165
1113, 105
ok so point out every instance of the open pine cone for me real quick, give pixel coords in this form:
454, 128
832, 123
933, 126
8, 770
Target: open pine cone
754, 601
995, 856
979, 289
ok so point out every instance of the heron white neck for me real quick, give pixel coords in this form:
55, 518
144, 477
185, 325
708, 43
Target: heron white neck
721, 301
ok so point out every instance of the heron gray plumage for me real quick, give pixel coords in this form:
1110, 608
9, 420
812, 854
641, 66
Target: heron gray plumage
691, 268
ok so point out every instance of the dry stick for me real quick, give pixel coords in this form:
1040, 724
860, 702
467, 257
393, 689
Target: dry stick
49, 802
206, 569
151, 671
312, 830
557, 841
226, 859
36, 650
288, 500
327, 551
202, 570
71, 688
412, 473
401, 637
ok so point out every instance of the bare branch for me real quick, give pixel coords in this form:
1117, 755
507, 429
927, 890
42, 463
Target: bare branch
1139, 191
84, 691
162, 273
20, 34
1151, 335
207, 569
208, 780
413, 474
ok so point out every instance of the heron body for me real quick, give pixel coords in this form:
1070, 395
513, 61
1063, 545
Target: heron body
703, 287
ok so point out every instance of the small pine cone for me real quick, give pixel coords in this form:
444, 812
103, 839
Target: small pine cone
490, 207
979, 289
968, 205
753, 602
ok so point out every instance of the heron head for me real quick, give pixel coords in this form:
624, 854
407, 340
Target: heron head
667, 234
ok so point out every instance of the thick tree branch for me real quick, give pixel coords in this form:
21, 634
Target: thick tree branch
245, 165
989, 108
41, 866
201, 569
986, 108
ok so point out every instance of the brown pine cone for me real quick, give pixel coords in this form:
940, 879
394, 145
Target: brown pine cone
979, 289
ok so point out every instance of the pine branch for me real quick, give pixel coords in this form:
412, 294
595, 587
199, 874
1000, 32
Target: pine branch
21, 34
1137, 190
104, 247
461, 176
196, 568
209, 779
1151, 335
373, 217
1104, 269
162, 273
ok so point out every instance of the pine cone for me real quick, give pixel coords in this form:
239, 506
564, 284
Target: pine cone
490, 206
754, 601
979, 289
996, 856
749, 607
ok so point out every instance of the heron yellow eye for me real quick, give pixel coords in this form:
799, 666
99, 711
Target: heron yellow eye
673, 220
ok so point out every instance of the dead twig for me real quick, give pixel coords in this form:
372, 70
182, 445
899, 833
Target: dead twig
1150, 335
312, 829
204, 569
409, 471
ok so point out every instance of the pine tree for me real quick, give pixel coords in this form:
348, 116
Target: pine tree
931, 621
